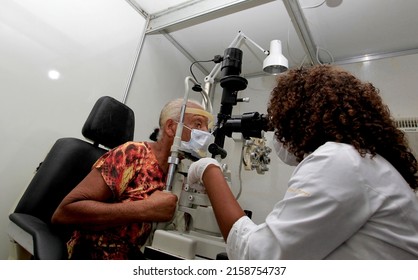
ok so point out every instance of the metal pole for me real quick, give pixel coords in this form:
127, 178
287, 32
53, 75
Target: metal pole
135, 63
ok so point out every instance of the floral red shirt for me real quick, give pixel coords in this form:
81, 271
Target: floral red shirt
132, 173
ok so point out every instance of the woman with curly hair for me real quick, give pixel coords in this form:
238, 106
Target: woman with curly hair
352, 194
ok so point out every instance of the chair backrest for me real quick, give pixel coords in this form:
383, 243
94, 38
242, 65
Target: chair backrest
109, 124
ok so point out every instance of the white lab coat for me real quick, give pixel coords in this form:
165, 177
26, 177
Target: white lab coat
338, 205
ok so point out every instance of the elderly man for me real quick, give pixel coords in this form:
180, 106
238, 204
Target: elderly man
112, 209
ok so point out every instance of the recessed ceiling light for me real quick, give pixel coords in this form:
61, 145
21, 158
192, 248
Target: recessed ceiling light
54, 74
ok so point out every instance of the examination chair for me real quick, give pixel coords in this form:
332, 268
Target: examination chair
109, 124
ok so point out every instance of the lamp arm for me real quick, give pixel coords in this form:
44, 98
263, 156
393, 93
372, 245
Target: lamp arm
255, 44
210, 78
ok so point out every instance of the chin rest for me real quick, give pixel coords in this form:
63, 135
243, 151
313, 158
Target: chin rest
109, 124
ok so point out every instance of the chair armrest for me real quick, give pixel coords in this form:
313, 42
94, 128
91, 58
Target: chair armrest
47, 244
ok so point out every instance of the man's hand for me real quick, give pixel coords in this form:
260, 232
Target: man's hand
163, 204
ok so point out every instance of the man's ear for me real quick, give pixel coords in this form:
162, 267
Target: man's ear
170, 128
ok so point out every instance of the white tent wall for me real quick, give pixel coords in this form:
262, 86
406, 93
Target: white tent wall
92, 44
159, 77
396, 77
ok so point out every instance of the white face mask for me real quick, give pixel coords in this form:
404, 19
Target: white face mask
198, 144
283, 153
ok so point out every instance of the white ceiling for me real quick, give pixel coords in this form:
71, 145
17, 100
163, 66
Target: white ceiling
355, 30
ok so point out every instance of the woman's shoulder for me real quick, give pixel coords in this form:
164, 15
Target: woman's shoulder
331, 159
332, 147
335, 152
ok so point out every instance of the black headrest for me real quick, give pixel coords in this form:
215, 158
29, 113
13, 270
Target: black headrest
110, 123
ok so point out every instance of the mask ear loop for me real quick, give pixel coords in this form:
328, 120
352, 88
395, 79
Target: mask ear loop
184, 126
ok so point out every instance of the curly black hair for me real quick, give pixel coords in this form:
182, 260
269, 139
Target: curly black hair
311, 106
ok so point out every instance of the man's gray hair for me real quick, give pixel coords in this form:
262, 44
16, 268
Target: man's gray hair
172, 110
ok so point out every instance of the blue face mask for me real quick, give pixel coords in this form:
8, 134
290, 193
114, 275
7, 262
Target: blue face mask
198, 144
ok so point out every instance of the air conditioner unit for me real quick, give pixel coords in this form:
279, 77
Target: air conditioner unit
407, 124
410, 127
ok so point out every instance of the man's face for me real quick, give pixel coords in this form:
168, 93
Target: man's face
194, 121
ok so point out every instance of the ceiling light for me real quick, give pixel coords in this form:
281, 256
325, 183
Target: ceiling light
275, 63
54, 74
